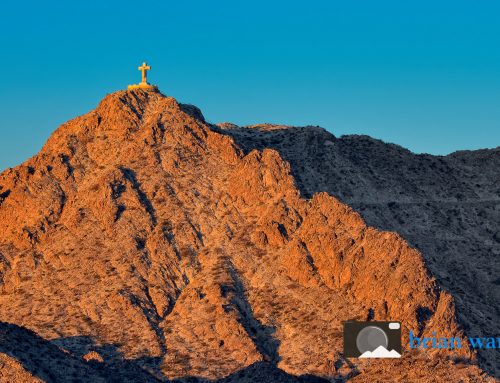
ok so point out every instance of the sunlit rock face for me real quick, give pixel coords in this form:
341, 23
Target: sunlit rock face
144, 244
447, 207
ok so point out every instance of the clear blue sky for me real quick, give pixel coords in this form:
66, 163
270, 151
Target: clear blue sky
422, 74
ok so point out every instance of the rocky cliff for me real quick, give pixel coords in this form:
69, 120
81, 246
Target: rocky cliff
144, 244
448, 207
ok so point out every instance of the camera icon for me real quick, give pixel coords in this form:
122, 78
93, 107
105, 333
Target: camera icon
372, 339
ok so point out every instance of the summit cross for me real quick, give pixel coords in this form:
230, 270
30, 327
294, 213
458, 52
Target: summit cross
144, 69
144, 85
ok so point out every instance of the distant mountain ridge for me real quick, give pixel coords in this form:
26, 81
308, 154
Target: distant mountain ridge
143, 239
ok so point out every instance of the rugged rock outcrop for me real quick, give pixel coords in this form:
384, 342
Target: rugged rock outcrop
143, 240
448, 207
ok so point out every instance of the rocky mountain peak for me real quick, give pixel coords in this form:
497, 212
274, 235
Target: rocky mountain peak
144, 235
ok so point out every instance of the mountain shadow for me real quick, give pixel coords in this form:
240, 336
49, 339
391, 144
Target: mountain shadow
62, 360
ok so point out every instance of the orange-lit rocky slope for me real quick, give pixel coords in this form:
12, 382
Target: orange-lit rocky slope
448, 207
141, 245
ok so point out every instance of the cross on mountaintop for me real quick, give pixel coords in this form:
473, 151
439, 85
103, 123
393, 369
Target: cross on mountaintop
144, 68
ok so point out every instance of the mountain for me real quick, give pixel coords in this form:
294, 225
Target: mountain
448, 207
144, 244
